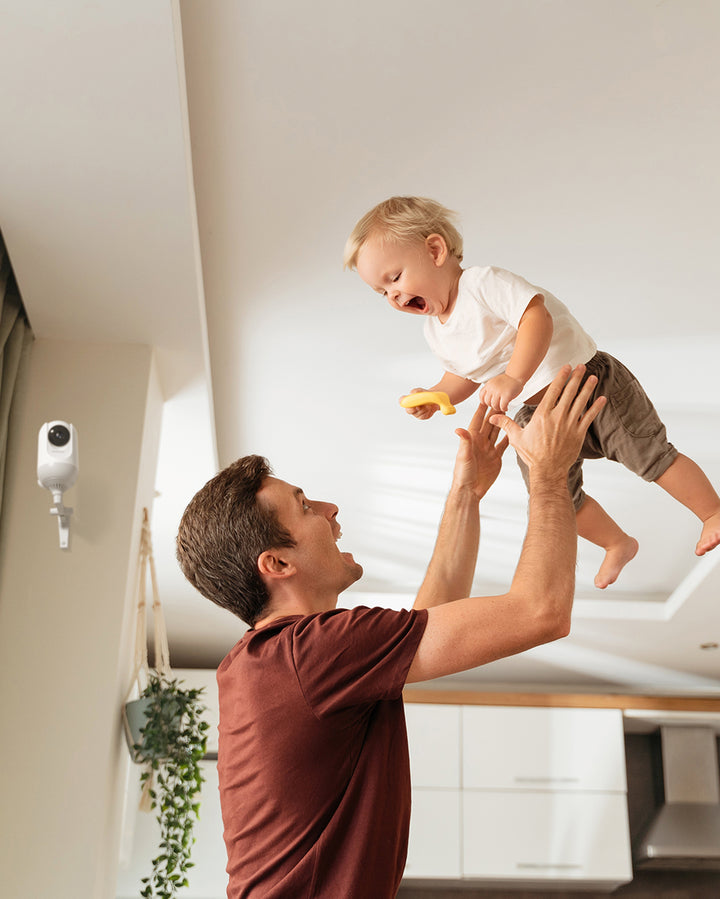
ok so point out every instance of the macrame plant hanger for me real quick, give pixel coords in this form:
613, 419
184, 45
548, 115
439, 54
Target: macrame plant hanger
161, 658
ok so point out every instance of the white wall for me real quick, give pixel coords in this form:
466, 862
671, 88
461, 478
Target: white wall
66, 618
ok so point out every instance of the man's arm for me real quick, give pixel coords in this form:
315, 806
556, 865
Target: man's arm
452, 566
475, 630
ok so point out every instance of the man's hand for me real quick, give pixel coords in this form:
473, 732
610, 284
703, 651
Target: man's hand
500, 391
554, 435
479, 456
465, 631
477, 465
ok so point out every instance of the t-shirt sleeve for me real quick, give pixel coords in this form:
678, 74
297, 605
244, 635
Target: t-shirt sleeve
506, 294
350, 657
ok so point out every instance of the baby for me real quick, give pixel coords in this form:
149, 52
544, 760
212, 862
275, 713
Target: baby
490, 327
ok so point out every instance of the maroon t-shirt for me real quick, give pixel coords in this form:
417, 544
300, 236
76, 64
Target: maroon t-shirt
313, 758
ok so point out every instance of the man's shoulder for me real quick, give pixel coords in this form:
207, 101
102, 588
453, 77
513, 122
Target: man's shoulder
351, 617
290, 626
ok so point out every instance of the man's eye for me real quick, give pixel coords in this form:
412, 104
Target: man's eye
306, 506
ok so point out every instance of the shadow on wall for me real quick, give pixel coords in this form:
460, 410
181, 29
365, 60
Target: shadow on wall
15, 339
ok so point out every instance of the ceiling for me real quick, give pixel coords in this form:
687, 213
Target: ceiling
185, 174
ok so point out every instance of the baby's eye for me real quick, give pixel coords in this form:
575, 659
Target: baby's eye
397, 277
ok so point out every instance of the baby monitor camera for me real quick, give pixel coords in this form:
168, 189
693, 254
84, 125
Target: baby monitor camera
57, 468
57, 457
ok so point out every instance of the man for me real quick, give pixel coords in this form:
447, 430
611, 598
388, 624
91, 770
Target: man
313, 759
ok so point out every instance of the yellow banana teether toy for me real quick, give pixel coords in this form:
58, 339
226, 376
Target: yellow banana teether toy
429, 396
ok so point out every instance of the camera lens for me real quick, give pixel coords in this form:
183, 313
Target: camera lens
58, 435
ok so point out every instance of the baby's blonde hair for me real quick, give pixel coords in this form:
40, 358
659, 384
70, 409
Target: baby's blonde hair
404, 219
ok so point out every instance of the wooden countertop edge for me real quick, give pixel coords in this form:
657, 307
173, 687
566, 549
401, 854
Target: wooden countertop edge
566, 700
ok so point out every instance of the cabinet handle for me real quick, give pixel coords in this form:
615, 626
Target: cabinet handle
539, 866
547, 780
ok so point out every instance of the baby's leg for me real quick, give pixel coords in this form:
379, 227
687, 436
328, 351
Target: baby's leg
630, 431
686, 482
595, 525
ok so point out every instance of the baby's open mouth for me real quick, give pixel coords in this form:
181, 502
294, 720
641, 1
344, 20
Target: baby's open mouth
417, 303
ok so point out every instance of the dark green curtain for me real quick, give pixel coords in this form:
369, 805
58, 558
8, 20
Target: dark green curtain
15, 337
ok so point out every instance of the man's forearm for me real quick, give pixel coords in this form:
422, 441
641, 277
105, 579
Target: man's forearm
546, 568
480, 629
452, 566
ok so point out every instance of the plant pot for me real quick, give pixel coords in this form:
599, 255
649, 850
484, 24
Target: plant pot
134, 718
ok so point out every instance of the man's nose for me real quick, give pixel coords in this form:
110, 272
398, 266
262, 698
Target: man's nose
329, 510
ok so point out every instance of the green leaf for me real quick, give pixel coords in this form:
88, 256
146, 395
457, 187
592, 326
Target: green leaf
174, 742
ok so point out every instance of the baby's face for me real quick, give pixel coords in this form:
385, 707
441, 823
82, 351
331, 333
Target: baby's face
413, 277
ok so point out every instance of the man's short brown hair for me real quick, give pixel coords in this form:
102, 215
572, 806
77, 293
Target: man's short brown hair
223, 532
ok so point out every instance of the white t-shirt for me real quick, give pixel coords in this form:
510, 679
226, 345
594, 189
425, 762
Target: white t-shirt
478, 339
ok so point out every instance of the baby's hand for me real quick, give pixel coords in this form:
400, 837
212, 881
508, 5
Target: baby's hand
423, 412
500, 391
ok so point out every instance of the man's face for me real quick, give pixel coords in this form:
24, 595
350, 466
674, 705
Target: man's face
314, 527
411, 276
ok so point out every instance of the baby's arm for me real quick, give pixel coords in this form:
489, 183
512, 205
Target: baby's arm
532, 342
457, 389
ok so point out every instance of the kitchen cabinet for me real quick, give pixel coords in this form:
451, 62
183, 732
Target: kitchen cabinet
434, 848
520, 748
535, 838
545, 796
434, 744
518, 796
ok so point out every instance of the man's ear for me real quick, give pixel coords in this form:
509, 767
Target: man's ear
436, 246
271, 564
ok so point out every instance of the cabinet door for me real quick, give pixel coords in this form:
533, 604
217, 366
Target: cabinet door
434, 741
434, 846
546, 836
543, 749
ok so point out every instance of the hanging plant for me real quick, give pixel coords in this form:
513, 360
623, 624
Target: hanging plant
171, 744
166, 734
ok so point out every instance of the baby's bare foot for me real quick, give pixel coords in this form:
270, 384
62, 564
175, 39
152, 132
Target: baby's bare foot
616, 558
710, 537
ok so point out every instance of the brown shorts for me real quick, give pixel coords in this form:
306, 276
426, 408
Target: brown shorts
627, 430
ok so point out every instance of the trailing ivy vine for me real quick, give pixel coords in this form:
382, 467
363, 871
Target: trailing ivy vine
173, 743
